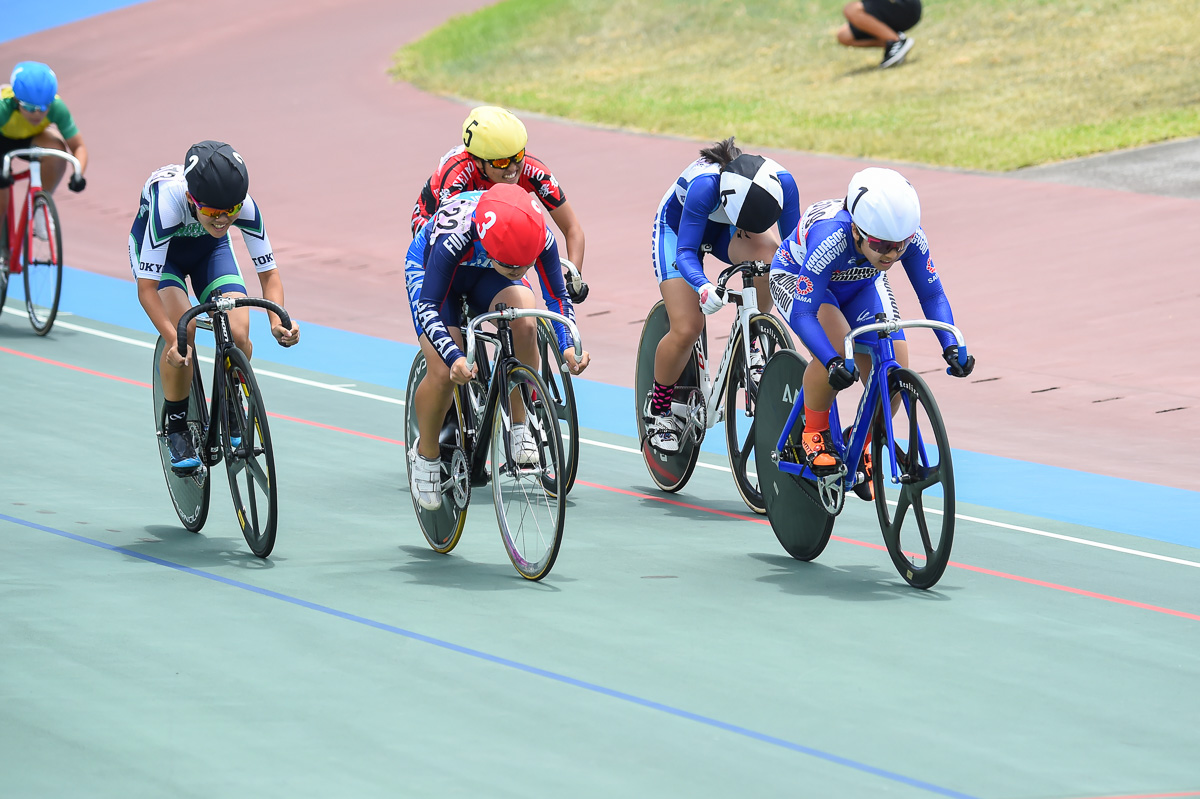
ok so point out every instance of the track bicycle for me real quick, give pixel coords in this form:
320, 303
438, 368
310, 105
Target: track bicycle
912, 447
22, 250
477, 448
701, 400
234, 429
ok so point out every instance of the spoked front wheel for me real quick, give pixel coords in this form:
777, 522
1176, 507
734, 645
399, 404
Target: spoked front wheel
741, 402
793, 503
190, 493
528, 476
250, 462
443, 527
558, 382
670, 471
43, 264
919, 531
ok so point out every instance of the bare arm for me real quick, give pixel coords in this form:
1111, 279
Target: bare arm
564, 216
272, 289
79, 150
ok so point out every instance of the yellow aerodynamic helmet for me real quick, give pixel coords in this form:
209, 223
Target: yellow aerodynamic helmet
490, 132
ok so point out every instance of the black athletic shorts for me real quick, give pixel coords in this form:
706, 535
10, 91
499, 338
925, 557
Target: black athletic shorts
899, 15
7, 145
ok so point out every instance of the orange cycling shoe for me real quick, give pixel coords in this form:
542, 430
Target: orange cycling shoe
820, 458
865, 489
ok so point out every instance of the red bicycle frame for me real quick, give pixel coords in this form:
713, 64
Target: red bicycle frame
17, 227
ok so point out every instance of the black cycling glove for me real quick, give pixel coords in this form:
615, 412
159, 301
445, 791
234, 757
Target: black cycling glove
957, 369
839, 376
77, 183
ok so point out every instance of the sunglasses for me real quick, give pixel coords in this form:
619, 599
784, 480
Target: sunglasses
213, 213
883, 246
30, 108
502, 163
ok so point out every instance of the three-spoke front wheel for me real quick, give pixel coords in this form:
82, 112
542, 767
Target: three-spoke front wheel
919, 530
250, 461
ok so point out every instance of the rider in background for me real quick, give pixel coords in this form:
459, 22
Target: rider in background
29, 105
725, 203
493, 151
182, 231
832, 270
478, 246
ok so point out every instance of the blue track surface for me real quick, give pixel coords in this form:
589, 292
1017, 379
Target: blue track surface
22, 19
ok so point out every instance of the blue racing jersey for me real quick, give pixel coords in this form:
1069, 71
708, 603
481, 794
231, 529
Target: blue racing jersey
451, 245
822, 256
692, 208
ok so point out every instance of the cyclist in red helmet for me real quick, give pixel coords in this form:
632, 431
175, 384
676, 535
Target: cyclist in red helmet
478, 246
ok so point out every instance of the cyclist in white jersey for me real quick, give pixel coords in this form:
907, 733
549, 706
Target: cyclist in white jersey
182, 232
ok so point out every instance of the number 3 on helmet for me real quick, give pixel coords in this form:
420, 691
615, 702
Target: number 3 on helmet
510, 225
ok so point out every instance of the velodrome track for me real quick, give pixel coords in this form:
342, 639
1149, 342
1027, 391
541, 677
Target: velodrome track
675, 650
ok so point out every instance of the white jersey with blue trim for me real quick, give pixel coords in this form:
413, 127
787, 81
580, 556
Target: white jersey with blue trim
165, 215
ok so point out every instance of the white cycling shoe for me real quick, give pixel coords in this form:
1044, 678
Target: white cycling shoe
663, 432
524, 448
426, 480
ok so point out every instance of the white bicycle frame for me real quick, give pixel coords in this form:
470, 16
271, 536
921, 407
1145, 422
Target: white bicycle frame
697, 419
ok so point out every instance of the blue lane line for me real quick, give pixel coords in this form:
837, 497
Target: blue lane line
1141, 509
512, 664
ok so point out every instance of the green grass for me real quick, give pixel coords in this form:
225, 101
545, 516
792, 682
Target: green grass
989, 84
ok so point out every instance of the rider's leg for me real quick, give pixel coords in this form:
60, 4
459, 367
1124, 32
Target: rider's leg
687, 322
819, 397
52, 168
176, 381
433, 398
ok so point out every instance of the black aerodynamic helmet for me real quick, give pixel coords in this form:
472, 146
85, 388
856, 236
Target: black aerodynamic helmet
216, 174
751, 192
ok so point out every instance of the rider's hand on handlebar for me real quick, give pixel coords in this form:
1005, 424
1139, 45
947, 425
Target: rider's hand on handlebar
460, 373
957, 369
711, 300
576, 366
839, 376
577, 290
284, 336
77, 183
174, 359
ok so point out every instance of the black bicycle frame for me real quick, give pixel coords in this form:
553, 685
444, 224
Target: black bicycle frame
479, 427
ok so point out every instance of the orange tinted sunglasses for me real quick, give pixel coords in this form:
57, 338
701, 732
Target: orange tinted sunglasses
502, 163
213, 213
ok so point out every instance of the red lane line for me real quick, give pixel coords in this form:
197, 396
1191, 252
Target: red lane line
75, 368
147, 385
739, 516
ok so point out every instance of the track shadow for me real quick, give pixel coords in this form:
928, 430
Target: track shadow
196, 550
858, 583
426, 567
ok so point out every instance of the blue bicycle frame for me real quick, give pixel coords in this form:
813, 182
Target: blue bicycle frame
883, 361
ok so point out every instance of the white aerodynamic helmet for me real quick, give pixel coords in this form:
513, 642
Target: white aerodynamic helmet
883, 204
751, 192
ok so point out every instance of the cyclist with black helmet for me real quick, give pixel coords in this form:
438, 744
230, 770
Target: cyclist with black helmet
492, 152
831, 274
735, 206
478, 246
182, 233
29, 105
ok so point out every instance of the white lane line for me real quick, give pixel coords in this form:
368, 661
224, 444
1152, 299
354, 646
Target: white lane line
341, 389
617, 447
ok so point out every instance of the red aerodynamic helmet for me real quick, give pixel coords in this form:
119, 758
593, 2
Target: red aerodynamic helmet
510, 224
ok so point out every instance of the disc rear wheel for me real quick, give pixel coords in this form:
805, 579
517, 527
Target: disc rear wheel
190, 493
443, 527
793, 504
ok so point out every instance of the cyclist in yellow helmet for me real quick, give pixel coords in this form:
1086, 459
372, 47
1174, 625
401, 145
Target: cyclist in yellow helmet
493, 151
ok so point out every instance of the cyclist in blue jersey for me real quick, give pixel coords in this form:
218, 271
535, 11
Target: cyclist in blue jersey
831, 275
477, 246
181, 233
727, 203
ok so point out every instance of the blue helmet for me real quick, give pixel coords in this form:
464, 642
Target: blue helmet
34, 83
